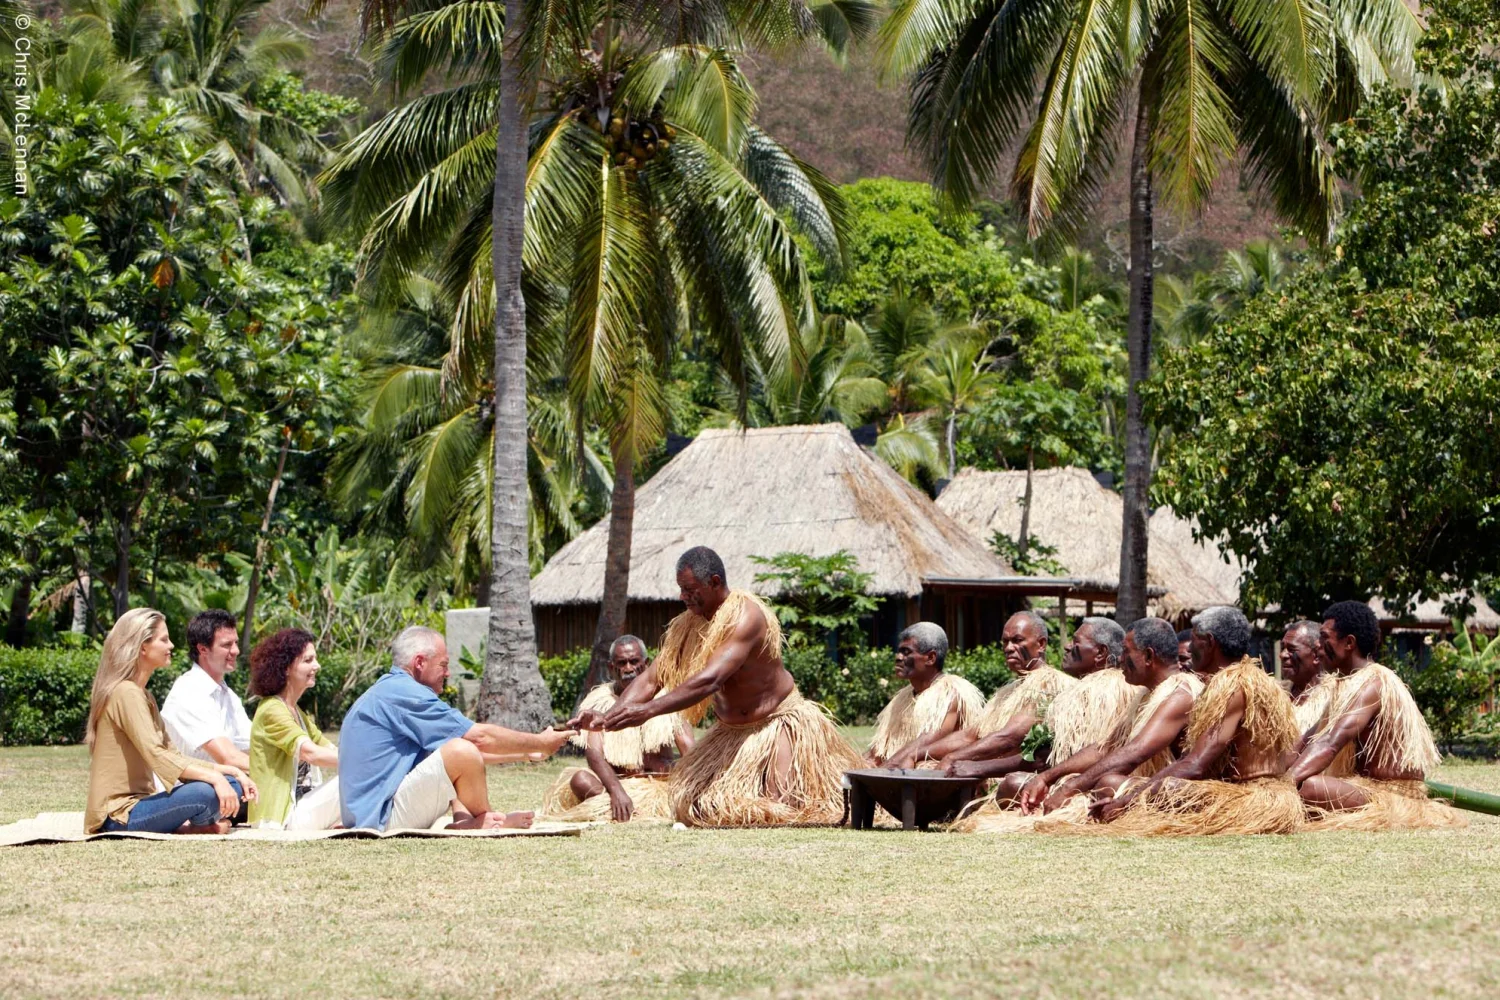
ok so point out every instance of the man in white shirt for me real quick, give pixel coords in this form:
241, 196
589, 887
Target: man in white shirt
204, 718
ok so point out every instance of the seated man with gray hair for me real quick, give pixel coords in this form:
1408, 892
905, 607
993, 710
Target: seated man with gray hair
1230, 780
627, 769
406, 756
932, 705
1003, 722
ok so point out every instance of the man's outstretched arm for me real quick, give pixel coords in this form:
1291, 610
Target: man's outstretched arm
1197, 763
1001, 743
1162, 728
921, 747
724, 664
637, 692
1322, 750
508, 745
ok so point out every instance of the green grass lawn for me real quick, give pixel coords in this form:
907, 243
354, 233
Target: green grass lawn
653, 912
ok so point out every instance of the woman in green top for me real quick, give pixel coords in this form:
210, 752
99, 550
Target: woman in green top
286, 747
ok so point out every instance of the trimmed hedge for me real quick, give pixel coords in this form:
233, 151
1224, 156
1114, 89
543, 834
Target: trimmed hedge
44, 692
44, 695
564, 676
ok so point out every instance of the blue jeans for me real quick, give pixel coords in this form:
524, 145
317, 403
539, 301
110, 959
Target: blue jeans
192, 802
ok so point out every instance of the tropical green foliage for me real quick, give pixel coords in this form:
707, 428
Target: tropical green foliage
649, 188
1449, 688
153, 371
819, 599
1347, 445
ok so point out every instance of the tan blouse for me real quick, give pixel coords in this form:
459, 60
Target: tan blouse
130, 745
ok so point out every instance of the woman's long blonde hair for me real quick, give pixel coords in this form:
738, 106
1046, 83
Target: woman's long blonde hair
122, 648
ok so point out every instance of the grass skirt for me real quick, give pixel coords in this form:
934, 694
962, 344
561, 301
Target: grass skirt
991, 817
1393, 805
725, 779
1182, 808
649, 793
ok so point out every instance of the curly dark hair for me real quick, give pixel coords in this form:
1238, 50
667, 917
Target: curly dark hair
1355, 618
273, 656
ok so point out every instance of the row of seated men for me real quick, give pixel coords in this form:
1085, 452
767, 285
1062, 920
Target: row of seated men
1122, 734
1143, 730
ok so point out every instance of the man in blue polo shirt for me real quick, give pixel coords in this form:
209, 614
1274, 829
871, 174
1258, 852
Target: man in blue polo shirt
406, 756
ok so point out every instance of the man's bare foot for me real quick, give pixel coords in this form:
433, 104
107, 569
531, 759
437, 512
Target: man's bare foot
493, 821
221, 827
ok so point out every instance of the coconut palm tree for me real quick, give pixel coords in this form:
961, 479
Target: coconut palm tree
419, 460
956, 375
646, 187
1203, 79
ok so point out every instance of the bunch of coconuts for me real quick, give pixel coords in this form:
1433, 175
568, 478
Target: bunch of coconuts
633, 142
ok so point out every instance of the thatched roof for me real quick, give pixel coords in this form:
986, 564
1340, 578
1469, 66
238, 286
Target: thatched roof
1428, 614
1082, 520
761, 492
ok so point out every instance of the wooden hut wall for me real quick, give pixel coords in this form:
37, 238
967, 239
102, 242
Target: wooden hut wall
563, 628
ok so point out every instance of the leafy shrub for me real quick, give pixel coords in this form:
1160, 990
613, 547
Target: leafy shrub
44, 695
982, 666
564, 676
1449, 689
44, 692
818, 596
854, 690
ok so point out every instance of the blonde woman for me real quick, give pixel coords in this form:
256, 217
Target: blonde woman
128, 745
287, 749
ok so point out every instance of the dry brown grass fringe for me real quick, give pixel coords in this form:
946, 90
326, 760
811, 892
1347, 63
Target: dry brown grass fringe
690, 641
1096, 710
1180, 808
1393, 805
1397, 738
648, 792
725, 780
907, 715
1313, 705
1269, 719
626, 750
1031, 694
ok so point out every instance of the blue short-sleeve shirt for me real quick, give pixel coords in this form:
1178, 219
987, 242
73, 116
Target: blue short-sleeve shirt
391, 729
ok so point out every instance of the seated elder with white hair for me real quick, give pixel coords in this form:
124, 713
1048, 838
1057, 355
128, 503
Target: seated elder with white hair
406, 756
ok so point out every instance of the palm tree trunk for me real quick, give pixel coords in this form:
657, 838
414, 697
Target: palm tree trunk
20, 610
1025, 536
121, 589
253, 591
512, 692
1131, 601
81, 594
612, 606
952, 434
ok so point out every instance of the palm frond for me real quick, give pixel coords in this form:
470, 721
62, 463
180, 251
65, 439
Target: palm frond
1194, 121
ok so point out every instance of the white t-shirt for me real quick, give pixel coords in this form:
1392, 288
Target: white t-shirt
199, 709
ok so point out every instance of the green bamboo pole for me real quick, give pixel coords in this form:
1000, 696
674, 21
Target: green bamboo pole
1464, 798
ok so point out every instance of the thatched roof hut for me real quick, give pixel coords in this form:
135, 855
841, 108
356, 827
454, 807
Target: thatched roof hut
1071, 512
808, 489
1428, 616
